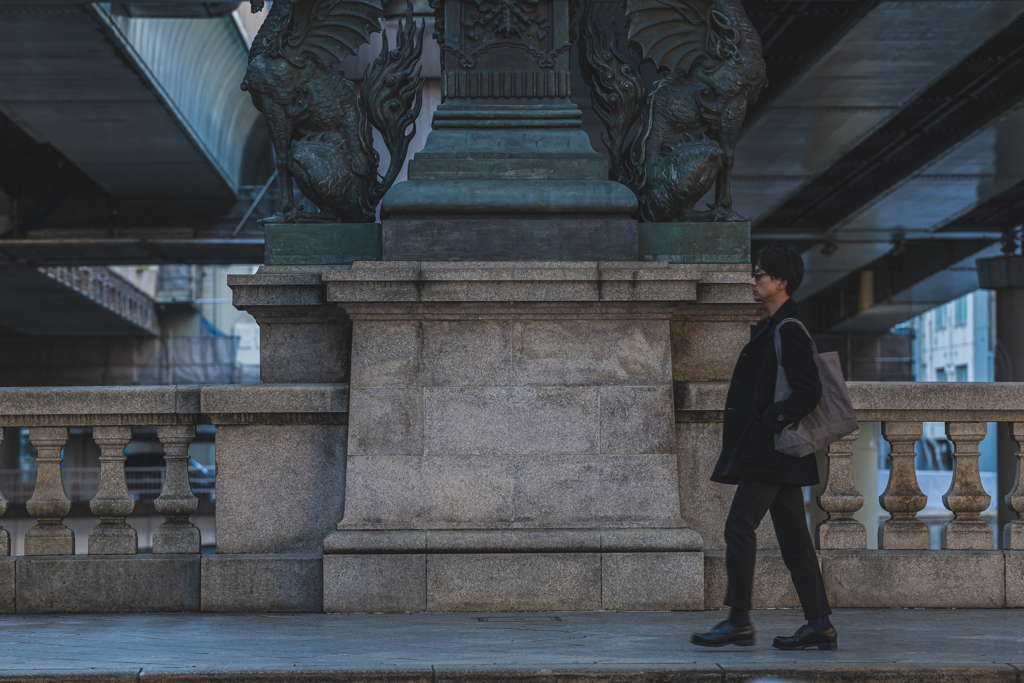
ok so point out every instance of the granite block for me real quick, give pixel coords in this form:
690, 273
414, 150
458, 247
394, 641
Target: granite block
1014, 560
262, 583
360, 542
637, 420
597, 490
517, 582
108, 583
652, 581
386, 353
914, 578
591, 352
375, 583
280, 488
8, 594
511, 421
386, 421
403, 491
704, 504
650, 541
707, 350
514, 540
467, 353
304, 346
773, 586
225, 404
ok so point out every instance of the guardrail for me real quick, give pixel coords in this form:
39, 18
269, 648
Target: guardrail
902, 408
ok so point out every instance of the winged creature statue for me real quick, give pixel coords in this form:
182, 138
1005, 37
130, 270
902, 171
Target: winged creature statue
320, 127
672, 142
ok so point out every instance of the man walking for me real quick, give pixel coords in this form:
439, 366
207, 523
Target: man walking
767, 480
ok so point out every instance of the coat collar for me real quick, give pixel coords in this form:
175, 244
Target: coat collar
786, 310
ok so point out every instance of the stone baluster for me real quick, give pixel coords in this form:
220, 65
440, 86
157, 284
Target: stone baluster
113, 503
176, 501
1013, 533
966, 497
840, 500
49, 504
5, 536
902, 497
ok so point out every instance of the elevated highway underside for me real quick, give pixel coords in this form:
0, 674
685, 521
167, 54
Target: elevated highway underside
126, 122
887, 146
124, 139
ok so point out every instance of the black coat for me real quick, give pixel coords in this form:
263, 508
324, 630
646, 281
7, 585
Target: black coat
752, 417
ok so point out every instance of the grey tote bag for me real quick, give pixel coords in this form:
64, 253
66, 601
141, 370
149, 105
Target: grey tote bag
834, 417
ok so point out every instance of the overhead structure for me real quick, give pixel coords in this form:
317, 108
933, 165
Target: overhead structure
893, 159
126, 121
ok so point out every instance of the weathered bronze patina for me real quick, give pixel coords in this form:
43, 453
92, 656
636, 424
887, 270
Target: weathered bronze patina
321, 128
671, 141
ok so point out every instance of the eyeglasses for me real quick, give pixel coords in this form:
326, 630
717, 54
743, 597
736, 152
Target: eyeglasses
758, 274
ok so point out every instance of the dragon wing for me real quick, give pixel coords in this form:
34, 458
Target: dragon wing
674, 34
330, 30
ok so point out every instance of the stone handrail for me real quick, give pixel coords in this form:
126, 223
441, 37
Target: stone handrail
112, 412
902, 407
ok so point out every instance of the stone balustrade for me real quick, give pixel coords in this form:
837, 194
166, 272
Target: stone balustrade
904, 572
281, 463
113, 576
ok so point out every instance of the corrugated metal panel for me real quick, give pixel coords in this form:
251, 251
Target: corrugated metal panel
198, 65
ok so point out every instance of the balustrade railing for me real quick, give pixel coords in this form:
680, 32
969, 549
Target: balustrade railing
902, 408
265, 429
112, 414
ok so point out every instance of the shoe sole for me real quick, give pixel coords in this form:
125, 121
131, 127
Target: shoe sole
820, 646
741, 643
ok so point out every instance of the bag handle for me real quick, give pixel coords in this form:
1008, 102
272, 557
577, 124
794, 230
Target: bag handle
778, 338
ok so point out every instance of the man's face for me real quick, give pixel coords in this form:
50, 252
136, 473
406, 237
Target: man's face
766, 288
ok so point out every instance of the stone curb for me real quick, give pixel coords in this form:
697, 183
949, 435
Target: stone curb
845, 673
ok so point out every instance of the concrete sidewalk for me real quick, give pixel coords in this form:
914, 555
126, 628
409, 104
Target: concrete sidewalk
610, 647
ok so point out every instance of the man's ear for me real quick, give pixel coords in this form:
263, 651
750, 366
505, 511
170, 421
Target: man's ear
781, 285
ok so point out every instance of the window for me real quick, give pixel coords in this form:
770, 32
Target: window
940, 318
961, 373
940, 374
960, 312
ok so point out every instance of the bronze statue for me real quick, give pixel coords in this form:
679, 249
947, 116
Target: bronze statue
319, 126
671, 144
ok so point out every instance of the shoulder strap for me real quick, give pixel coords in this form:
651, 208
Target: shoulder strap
778, 337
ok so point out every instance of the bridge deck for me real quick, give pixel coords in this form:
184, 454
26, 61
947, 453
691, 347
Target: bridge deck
889, 645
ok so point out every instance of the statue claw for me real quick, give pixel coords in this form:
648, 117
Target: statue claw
289, 216
715, 214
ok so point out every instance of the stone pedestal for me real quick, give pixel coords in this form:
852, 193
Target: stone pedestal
507, 172
511, 430
281, 462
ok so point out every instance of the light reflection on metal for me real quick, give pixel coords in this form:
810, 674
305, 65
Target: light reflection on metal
195, 66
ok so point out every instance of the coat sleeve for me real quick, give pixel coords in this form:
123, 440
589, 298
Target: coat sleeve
802, 372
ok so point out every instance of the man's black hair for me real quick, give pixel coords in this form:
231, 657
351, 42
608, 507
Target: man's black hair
781, 262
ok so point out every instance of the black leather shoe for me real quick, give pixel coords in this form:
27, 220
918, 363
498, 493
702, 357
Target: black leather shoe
806, 637
725, 634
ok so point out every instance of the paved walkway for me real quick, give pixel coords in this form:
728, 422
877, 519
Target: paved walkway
605, 647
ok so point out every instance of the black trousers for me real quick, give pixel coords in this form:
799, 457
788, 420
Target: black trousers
786, 504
